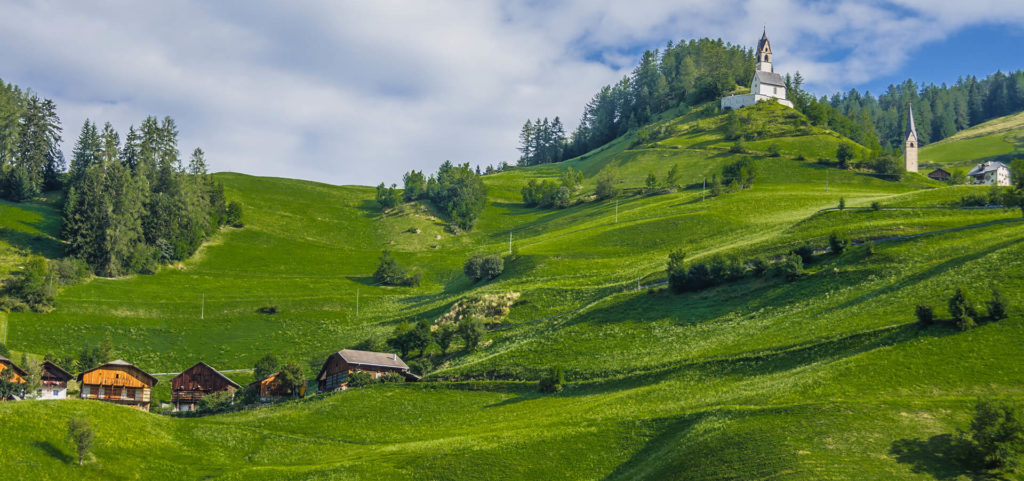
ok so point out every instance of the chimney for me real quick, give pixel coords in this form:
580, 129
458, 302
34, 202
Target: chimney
394, 357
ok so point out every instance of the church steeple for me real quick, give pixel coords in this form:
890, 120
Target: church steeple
911, 143
764, 53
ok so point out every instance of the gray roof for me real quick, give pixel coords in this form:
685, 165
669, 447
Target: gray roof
764, 40
986, 167
911, 128
770, 78
368, 358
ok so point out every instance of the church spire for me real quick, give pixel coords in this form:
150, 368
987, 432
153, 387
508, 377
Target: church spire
764, 53
911, 144
911, 128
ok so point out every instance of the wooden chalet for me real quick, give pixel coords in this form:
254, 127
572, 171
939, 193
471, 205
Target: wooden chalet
939, 174
334, 374
270, 388
17, 374
196, 383
118, 382
55, 382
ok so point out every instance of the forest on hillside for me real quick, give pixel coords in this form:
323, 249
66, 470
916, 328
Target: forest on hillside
689, 73
126, 207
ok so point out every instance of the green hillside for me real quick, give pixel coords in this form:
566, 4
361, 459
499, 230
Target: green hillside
1001, 139
824, 377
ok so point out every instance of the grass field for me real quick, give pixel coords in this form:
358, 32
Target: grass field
999, 139
826, 377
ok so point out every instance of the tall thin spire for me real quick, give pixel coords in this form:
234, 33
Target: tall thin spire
911, 128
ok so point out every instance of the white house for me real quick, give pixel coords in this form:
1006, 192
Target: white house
766, 84
990, 173
54, 382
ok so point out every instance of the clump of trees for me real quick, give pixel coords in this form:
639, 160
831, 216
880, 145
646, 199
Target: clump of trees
131, 207
837, 243
547, 193
542, 142
995, 439
606, 188
743, 172
456, 190
483, 267
30, 133
390, 273
388, 197
964, 314
553, 381
718, 270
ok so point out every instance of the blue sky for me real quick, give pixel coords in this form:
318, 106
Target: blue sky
356, 92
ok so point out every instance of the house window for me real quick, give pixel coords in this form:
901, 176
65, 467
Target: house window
775, 90
85, 391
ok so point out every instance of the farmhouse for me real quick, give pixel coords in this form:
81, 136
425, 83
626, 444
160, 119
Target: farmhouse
118, 382
17, 374
766, 84
334, 374
271, 388
196, 383
939, 174
990, 173
54, 382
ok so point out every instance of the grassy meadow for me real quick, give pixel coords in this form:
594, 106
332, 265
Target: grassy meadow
824, 377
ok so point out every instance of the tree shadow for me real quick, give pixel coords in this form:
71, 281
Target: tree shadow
941, 456
38, 244
54, 452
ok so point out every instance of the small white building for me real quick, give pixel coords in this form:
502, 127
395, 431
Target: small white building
990, 173
766, 84
54, 382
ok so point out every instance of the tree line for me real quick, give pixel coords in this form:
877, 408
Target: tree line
129, 207
30, 135
457, 191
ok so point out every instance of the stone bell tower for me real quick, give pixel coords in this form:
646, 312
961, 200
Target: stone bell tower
764, 53
911, 143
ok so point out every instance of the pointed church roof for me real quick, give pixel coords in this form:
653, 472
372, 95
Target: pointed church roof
911, 128
764, 40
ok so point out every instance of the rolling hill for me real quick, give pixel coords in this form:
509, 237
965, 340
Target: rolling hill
825, 377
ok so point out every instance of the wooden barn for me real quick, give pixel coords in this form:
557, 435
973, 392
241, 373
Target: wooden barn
270, 388
196, 383
17, 374
118, 382
334, 374
939, 174
55, 382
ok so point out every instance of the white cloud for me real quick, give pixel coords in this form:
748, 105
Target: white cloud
358, 92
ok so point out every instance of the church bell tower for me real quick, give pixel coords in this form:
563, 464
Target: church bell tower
911, 143
764, 53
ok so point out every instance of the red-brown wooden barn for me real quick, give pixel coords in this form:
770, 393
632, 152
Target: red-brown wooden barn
196, 383
118, 382
334, 374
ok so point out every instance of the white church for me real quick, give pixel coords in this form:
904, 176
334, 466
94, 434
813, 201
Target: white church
766, 85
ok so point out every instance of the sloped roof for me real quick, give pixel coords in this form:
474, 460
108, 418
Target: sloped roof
369, 358
764, 40
911, 128
770, 78
119, 363
986, 167
55, 371
19, 371
211, 369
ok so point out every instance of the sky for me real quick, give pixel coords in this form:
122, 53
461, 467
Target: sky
358, 92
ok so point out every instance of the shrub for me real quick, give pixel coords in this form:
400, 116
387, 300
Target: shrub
774, 150
390, 377
492, 266
421, 366
267, 310
962, 310
554, 381
233, 215
444, 335
390, 273
216, 402
676, 271
842, 203
473, 267
925, 315
388, 197
837, 243
973, 200
759, 266
869, 248
562, 198
805, 252
876, 206
997, 434
844, 154
606, 186
997, 306
738, 147
32, 285
265, 366
743, 171
360, 379
471, 330
789, 267
651, 183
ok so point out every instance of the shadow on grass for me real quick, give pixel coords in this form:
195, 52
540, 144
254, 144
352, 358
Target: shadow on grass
941, 456
53, 451
38, 244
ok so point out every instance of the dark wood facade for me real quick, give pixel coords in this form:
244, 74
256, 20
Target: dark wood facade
336, 369
54, 382
939, 174
118, 382
270, 388
196, 383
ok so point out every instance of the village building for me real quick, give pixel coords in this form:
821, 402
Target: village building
272, 389
911, 144
939, 174
990, 173
196, 383
17, 374
118, 382
54, 382
334, 374
766, 84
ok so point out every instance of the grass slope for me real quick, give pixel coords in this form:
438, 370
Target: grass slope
1000, 139
826, 377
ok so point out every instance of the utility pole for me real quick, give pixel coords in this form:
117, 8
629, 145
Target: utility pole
357, 302
826, 179
510, 243
702, 188
202, 309
616, 211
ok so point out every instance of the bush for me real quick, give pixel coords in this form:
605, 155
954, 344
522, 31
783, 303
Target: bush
233, 216
760, 266
743, 171
925, 315
774, 150
554, 381
973, 200
421, 366
390, 273
388, 197
606, 186
837, 243
789, 267
676, 271
997, 307
844, 154
738, 147
997, 435
31, 285
216, 402
962, 310
69, 270
562, 198
483, 267
806, 253
842, 203
360, 379
473, 267
472, 331
869, 248
876, 206
267, 310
